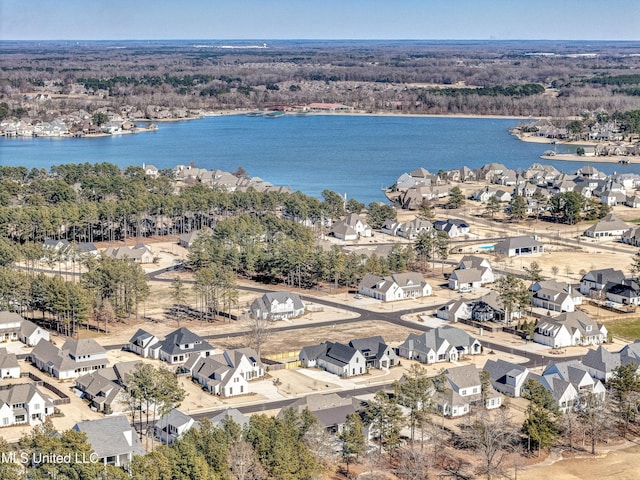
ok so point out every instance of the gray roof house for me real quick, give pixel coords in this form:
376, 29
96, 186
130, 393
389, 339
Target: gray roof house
74, 358
517, 246
506, 377
609, 226
277, 305
230, 414
595, 281
601, 363
568, 329
171, 426
555, 296
24, 403
442, 344
180, 344
142, 343
399, 286
330, 409
337, 358
113, 440
13, 327
101, 391
9, 367
376, 352
577, 374
462, 391
454, 311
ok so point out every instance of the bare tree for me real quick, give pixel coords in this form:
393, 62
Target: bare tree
260, 330
243, 462
493, 436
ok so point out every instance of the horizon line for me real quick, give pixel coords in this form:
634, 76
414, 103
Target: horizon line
321, 39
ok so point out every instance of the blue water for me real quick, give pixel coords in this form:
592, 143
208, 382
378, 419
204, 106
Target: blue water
356, 155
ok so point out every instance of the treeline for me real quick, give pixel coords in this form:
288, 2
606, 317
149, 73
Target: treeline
525, 90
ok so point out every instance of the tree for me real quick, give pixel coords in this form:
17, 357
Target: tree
517, 208
512, 294
415, 394
179, 296
594, 416
441, 245
625, 385
534, 272
427, 212
333, 204
378, 213
100, 118
243, 462
540, 424
384, 417
635, 265
493, 436
154, 390
456, 198
492, 206
352, 438
424, 245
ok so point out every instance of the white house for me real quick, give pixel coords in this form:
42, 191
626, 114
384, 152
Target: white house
568, 329
9, 367
142, 344
463, 390
277, 305
555, 296
73, 359
171, 426
337, 358
113, 440
399, 286
442, 344
507, 377
518, 246
454, 311
609, 226
24, 403
14, 327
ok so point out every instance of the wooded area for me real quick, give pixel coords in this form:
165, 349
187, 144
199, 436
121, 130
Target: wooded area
498, 78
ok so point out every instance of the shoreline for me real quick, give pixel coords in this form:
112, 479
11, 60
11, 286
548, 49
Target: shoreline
572, 157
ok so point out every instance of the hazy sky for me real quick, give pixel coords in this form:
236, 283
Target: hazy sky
320, 19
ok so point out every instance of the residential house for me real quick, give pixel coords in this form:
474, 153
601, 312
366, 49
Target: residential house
232, 414
453, 226
376, 352
506, 377
351, 228
454, 311
601, 363
277, 306
632, 235
609, 226
186, 240
114, 441
171, 426
179, 345
442, 344
555, 296
568, 329
398, 286
337, 358
99, 390
517, 246
24, 403
480, 263
140, 253
226, 374
73, 359
463, 389
142, 343
467, 279
13, 327
593, 283
412, 229
330, 409
577, 374
488, 308
150, 170
9, 367
627, 292
562, 391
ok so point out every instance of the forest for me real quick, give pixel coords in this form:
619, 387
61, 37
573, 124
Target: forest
498, 78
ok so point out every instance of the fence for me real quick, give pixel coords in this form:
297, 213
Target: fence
282, 361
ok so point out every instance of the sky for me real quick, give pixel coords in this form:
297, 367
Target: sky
320, 19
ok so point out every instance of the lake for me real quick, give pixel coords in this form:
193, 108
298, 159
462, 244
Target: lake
356, 155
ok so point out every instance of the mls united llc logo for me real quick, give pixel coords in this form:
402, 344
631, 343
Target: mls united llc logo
38, 458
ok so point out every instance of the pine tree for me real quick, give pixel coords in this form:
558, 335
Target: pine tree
352, 438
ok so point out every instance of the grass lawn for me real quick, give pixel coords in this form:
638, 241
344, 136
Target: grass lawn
628, 329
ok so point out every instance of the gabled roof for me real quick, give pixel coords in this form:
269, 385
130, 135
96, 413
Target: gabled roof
82, 347
467, 275
141, 337
601, 359
111, 436
604, 275
8, 360
517, 242
183, 336
174, 418
231, 413
499, 370
465, 376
